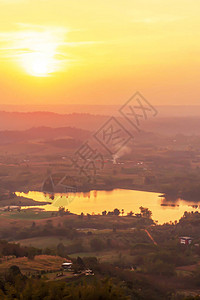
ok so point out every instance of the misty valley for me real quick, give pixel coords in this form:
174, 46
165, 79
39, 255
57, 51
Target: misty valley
129, 222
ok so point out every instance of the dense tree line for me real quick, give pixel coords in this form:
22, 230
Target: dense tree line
7, 249
115, 285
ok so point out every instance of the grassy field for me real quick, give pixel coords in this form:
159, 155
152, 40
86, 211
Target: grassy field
105, 231
106, 256
26, 214
45, 242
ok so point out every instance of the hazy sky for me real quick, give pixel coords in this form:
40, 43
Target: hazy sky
99, 52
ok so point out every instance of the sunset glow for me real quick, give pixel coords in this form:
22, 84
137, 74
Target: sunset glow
103, 51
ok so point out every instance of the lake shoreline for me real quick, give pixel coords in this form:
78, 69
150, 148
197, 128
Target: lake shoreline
20, 201
125, 200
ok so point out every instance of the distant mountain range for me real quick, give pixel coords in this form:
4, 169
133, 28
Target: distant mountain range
164, 110
66, 124
23, 121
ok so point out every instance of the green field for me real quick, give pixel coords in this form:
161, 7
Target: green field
26, 214
44, 242
106, 256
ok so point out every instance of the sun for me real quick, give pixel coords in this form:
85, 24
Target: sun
39, 56
39, 64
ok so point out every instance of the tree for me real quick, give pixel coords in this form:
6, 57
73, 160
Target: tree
145, 212
61, 250
61, 211
14, 270
116, 212
89, 216
12, 273
130, 214
81, 215
31, 253
90, 262
80, 263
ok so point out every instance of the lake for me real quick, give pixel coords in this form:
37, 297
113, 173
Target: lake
129, 200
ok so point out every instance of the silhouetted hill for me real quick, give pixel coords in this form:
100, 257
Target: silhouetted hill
174, 125
44, 133
23, 121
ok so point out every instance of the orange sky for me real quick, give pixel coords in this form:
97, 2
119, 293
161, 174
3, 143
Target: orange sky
99, 52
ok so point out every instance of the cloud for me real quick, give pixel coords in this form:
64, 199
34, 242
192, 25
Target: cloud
30, 38
36, 47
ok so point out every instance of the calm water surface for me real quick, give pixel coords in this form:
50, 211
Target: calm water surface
129, 200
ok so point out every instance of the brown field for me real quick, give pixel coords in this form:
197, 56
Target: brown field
40, 262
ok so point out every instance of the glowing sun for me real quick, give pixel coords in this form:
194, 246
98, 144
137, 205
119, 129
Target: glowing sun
39, 64
39, 56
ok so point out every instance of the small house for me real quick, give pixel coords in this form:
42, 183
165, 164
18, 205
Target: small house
186, 240
67, 265
89, 272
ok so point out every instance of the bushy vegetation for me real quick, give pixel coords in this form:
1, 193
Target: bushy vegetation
17, 286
